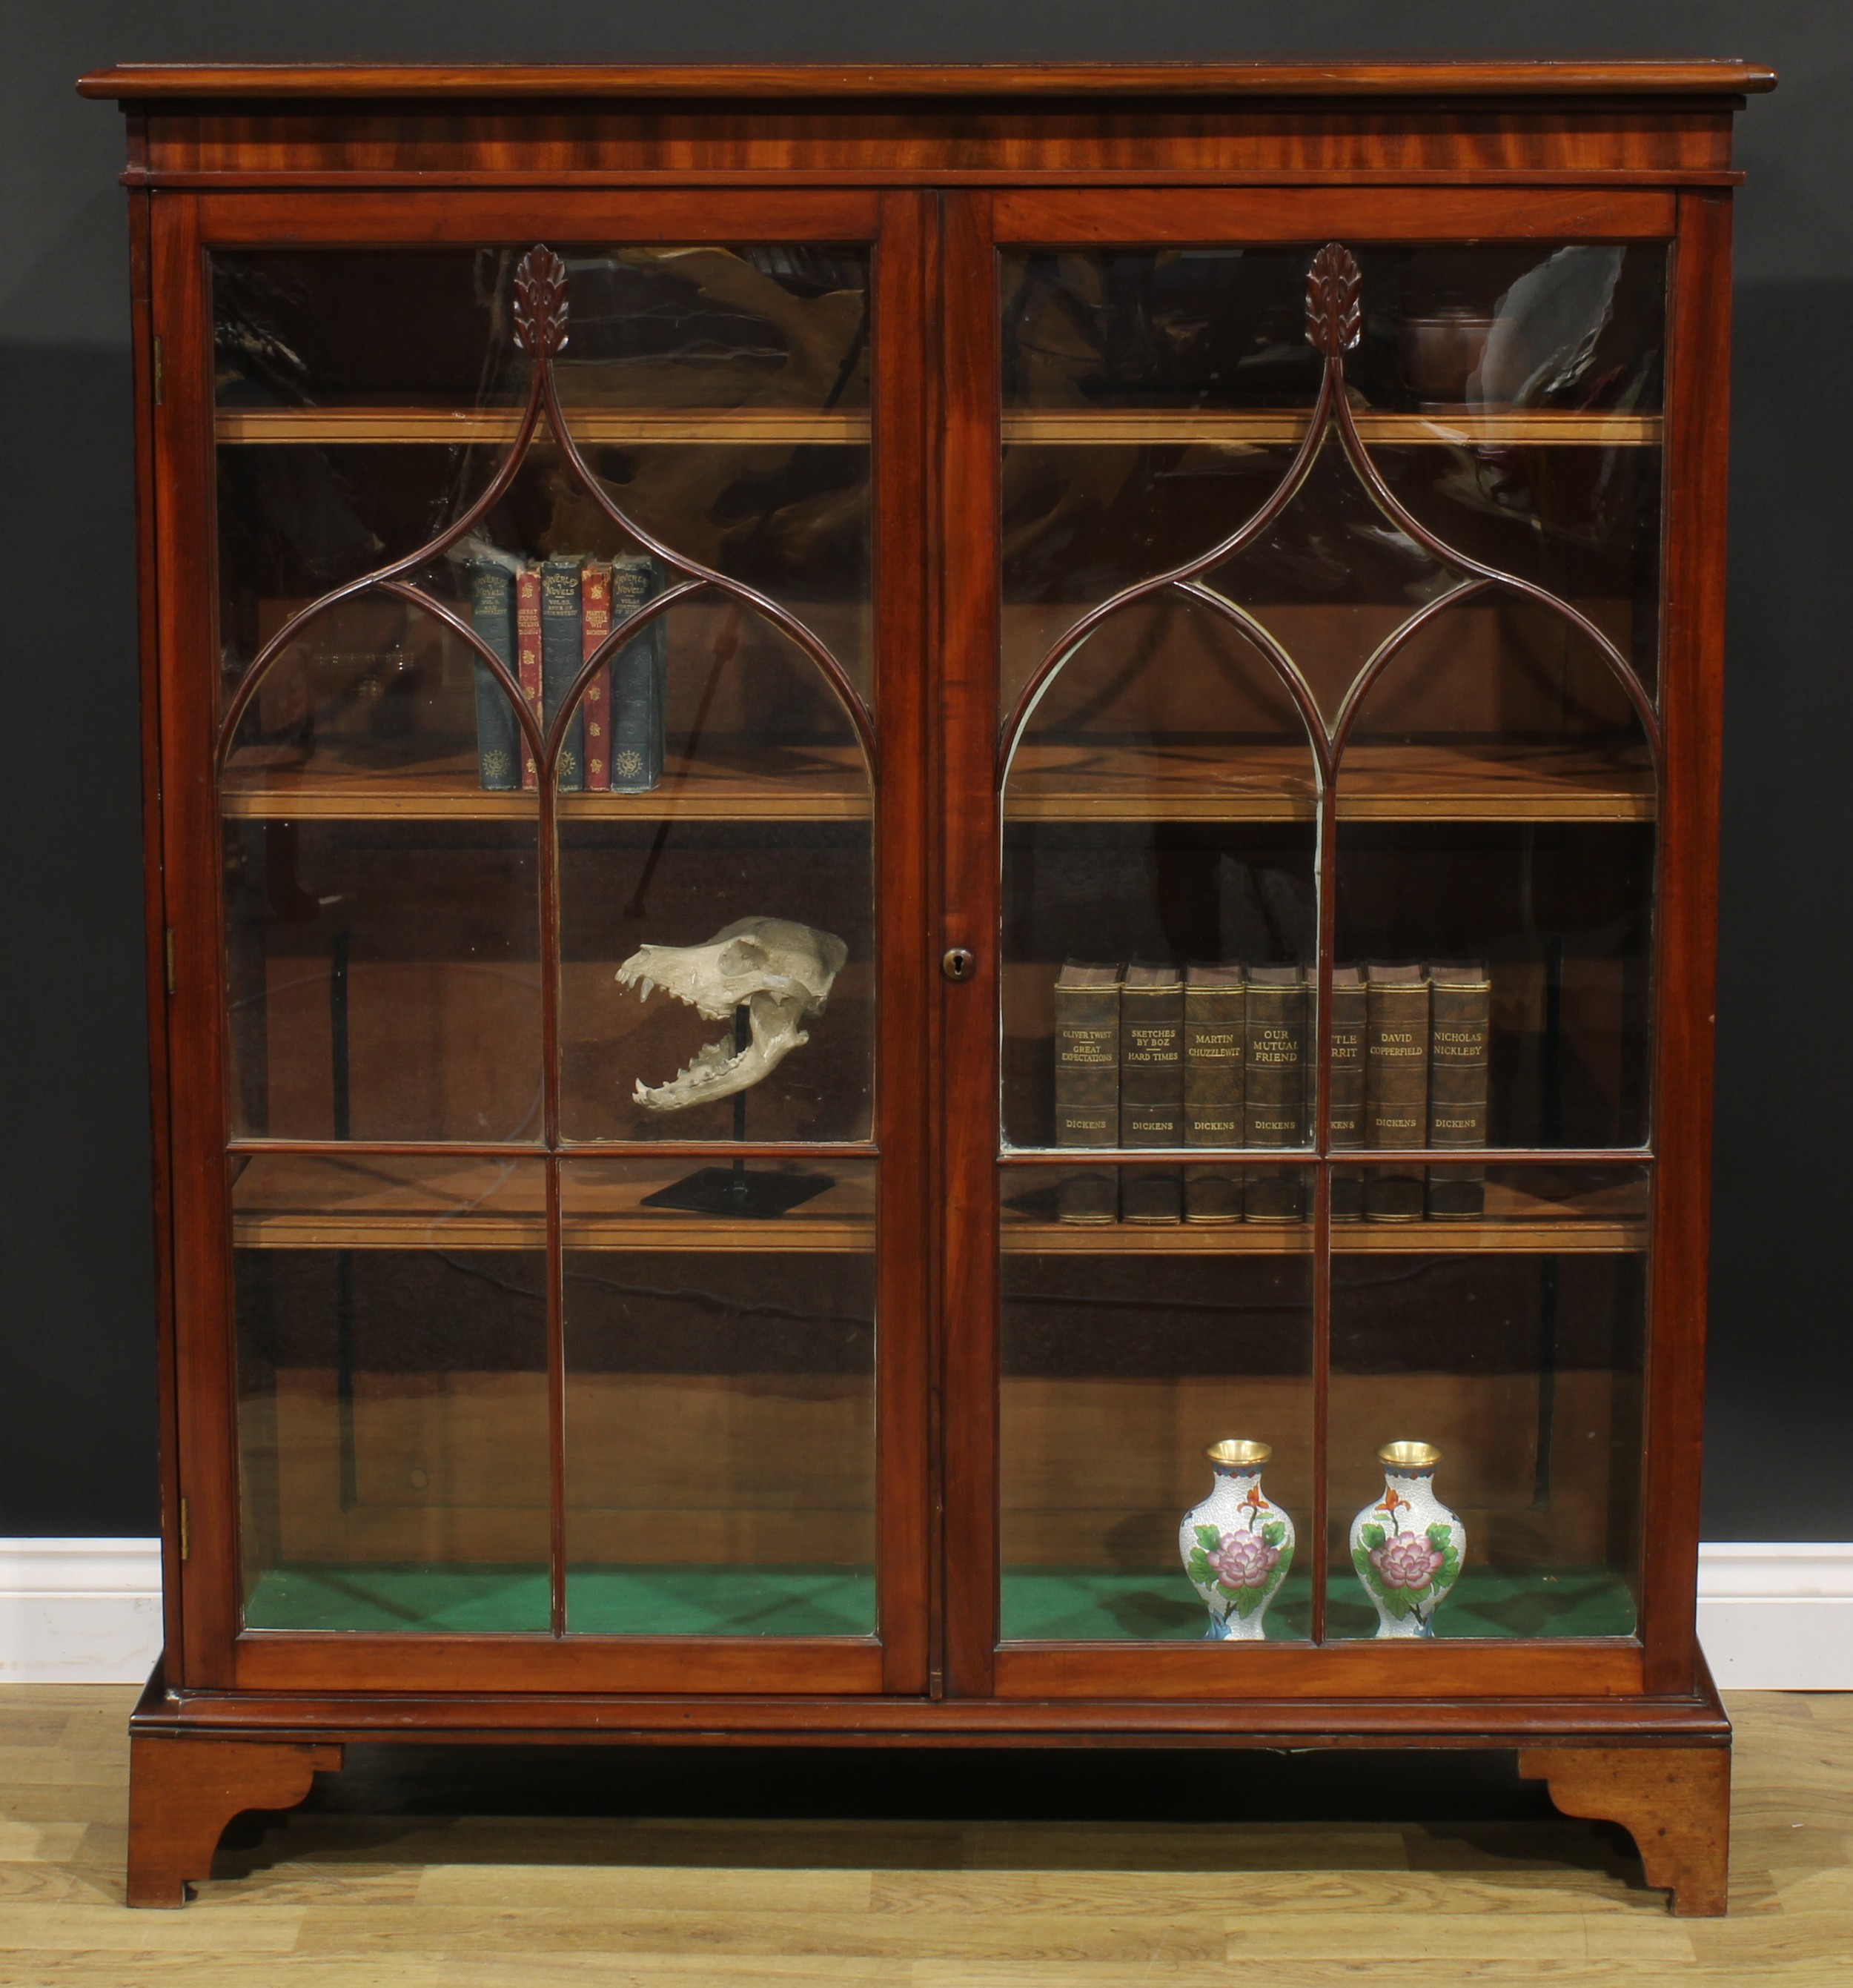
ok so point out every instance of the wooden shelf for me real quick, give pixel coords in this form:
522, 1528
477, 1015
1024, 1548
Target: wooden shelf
1079, 783
822, 783
1246, 427
1603, 1222
1251, 427
1564, 1236
376, 1201
1516, 782
379, 1201
769, 427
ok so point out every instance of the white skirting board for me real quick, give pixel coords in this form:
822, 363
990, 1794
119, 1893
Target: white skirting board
1778, 1618
88, 1612
79, 1611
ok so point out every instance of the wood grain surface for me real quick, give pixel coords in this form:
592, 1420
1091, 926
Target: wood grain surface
403, 1901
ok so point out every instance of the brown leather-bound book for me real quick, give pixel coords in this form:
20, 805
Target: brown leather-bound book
1215, 1012
1151, 1057
1213, 1054
1345, 1105
1089, 1199
1087, 1055
1460, 1016
1152, 1195
1215, 1008
1396, 1088
1274, 1075
1212, 1193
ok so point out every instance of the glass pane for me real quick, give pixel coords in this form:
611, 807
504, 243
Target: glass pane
366, 396
720, 1398
1544, 899
1510, 392
1144, 1320
382, 907
394, 919
383, 980
718, 934
1493, 863
392, 1376
1518, 1359
1159, 824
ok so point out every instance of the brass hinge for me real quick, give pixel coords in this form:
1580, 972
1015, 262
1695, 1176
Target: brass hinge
167, 951
157, 372
185, 1544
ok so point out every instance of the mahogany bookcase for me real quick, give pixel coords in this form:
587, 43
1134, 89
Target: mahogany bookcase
1258, 513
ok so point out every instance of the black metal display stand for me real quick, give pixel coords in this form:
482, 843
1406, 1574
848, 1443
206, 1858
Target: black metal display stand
733, 1190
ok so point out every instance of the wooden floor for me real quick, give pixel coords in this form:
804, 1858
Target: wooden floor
367, 1894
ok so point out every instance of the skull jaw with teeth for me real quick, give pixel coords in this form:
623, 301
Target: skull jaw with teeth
777, 970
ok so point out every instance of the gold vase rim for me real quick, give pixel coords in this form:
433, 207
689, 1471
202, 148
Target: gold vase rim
1237, 1451
1409, 1455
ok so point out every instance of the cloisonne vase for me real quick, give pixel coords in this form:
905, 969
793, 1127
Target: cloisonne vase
1237, 1545
1407, 1547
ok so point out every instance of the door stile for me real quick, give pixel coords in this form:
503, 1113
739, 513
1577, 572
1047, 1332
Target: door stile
1698, 391
1326, 863
204, 1476
901, 484
967, 1093
932, 761
556, 1392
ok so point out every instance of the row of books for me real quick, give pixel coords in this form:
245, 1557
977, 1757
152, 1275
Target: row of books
544, 619
1224, 1055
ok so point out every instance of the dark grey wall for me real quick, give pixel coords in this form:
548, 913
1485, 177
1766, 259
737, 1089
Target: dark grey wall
76, 1418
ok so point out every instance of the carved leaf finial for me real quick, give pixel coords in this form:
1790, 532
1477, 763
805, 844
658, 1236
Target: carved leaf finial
1333, 317
540, 302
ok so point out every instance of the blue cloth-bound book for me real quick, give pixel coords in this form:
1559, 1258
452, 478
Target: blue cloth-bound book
637, 681
560, 657
498, 736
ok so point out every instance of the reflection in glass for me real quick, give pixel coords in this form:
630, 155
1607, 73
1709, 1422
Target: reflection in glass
720, 1407
392, 1377
366, 398
1128, 1348
1494, 326
1510, 394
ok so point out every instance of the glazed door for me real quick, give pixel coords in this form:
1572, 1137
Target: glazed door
1306, 822
544, 850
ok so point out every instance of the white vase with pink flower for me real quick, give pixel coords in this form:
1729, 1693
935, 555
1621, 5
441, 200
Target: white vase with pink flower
1407, 1547
1237, 1545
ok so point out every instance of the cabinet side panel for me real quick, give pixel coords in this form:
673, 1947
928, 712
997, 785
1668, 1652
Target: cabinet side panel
1698, 391
148, 555
204, 1442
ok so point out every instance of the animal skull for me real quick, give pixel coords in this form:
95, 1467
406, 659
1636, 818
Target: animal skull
780, 971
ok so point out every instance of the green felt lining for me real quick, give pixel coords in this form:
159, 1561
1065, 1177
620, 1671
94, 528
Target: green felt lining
632, 1601
1039, 1603
1104, 1604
